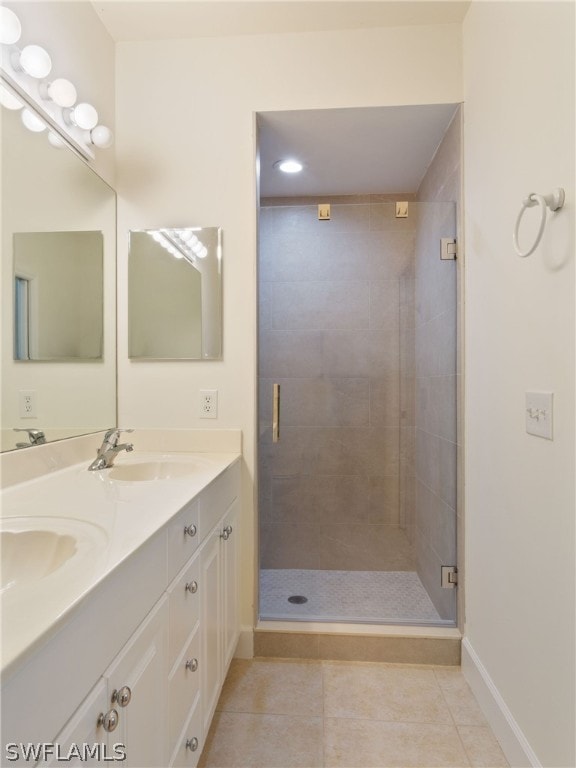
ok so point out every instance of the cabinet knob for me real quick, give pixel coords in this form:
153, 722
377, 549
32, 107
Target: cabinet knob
191, 530
192, 587
192, 665
226, 533
122, 697
192, 744
108, 720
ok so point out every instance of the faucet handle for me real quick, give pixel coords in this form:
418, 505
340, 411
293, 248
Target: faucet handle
36, 436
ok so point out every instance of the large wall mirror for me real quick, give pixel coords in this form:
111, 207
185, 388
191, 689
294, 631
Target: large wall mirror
175, 294
58, 288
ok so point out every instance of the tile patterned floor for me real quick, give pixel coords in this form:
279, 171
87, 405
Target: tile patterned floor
326, 714
375, 596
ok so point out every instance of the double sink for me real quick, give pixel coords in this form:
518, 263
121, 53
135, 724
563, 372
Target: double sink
62, 533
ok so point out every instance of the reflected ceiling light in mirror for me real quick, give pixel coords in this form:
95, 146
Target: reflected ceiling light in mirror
32, 121
55, 140
8, 99
60, 91
10, 27
290, 165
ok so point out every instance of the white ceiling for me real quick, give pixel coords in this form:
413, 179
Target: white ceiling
345, 151
350, 151
180, 19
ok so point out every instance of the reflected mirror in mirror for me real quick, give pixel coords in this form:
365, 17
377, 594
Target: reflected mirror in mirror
58, 295
175, 294
52, 202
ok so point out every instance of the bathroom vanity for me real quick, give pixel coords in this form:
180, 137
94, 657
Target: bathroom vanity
123, 637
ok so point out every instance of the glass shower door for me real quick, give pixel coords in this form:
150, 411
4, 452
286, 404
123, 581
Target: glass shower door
357, 327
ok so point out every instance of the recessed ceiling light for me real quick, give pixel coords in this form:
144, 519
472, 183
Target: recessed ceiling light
288, 166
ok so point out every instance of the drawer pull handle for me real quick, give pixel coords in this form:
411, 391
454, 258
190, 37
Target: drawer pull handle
191, 530
226, 533
192, 587
192, 744
192, 665
108, 720
122, 697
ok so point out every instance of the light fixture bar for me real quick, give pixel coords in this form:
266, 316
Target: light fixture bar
8, 81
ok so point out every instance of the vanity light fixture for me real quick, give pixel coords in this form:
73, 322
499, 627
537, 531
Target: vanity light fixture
49, 103
289, 166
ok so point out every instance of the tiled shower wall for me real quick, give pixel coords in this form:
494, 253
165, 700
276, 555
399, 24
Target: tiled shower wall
437, 373
332, 295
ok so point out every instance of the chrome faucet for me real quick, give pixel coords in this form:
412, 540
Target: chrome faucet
110, 449
35, 436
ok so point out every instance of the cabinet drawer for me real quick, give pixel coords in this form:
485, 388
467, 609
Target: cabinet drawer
184, 684
185, 756
184, 595
183, 537
215, 500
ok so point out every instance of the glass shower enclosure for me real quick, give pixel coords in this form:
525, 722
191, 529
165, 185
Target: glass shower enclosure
357, 451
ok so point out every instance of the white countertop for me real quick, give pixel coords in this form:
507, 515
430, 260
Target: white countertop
109, 520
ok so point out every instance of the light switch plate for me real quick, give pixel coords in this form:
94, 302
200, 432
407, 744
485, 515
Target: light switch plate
539, 412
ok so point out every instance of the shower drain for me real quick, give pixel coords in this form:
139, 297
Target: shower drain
298, 599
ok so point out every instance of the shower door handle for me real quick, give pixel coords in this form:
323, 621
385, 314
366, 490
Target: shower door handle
276, 413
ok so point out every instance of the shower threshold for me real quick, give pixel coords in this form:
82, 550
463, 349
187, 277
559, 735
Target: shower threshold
372, 597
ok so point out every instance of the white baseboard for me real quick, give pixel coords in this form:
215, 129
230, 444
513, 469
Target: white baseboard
245, 645
514, 744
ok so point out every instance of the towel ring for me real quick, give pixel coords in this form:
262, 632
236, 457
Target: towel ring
554, 201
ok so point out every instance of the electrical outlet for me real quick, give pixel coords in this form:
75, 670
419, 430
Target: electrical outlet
208, 403
27, 402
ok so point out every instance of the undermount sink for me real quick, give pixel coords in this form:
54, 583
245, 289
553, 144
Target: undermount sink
154, 470
33, 548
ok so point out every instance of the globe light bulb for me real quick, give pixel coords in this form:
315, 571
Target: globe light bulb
101, 137
10, 27
61, 91
84, 116
35, 61
32, 122
8, 100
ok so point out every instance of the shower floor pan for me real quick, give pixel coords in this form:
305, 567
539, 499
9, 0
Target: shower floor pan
387, 597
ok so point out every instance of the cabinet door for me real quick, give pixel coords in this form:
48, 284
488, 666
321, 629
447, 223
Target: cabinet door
211, 611
141, 667
230, 586
83, 732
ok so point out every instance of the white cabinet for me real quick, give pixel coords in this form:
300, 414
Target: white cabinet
85, 727
230, 575
220, 626
139, 667
136, 683
211, 582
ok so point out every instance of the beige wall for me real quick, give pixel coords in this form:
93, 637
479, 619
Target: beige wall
520, 545
186, 157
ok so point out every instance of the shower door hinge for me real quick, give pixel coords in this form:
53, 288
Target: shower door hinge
448, 248
449, 576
